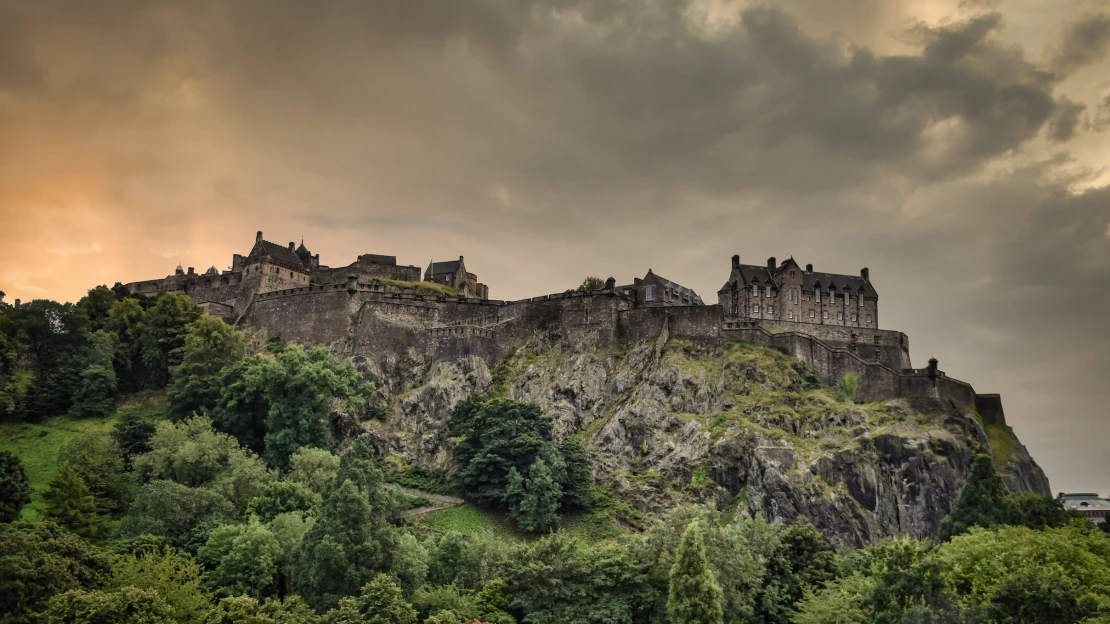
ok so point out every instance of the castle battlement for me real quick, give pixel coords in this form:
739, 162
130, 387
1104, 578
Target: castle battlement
375, 308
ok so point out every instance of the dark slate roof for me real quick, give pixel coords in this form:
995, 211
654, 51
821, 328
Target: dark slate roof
278, 253
749, 273
445, 267
676, 286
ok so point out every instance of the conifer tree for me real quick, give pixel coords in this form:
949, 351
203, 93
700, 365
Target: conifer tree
695, 596
982, 502
15, 488
535, 499
70, 504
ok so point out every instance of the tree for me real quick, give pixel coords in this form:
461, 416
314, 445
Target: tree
313, 468
247, 610
210, 347
40, 560
96, 393
245, 558
591, 284
132, 433
535, 501
694, 597
982, 501
379, 602
280, 497
174, 576
99, 463
802, 561
276, 405
129, 605
184, 516
160, 346
70, 504
578, 480
15, 487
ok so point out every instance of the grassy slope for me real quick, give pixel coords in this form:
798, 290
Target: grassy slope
438, 289
37, 444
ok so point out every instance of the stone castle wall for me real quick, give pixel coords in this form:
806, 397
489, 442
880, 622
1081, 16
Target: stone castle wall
368, 321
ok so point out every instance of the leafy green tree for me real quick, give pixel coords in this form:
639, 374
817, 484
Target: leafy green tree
96, 306
536, 500
196, 383
174, 576
184, 516
95, 395
591, 284
245, 557
578, 480
99, 463
191, 453
379, 602
276, 405
841, 602
128, 605
289, 530
435, 601
15, 487
313, 468
70, 504
39, 561
132, 433
49, 341
127, 319
280, 497
982, 501
695, 597
802, 561
559, 579
247, 610
1038, 512
160, 346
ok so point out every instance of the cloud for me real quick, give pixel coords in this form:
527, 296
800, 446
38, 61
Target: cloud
551, 140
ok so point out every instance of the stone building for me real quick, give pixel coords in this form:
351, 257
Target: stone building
1093, 508
787, 292
654, 290
453, 273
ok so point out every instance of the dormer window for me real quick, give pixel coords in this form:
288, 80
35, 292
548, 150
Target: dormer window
755, 290
817, 294
649, 293
768, 291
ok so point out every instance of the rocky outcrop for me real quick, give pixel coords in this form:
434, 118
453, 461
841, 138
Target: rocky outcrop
671, 421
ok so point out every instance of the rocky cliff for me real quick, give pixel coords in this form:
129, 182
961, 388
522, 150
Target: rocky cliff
745, 427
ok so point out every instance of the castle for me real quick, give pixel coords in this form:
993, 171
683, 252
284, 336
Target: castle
375, 308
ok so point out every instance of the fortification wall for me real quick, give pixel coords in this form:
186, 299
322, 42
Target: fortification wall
889, 347
310, 315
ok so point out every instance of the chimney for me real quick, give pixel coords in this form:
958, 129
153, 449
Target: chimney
610, 284
258, 237
736, 261
292, 247
460, 259
771, 263
18, 303
191, 271
865, 273
809, 268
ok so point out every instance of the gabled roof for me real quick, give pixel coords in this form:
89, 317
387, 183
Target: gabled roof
747, 274
675, 286
278, 253
437, 268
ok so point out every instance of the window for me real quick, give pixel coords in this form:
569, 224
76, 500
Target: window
853, 317
794, 295
755, 290
770, 309
790, 316
868, 319
824, 314
649, 293
860, 300
840, 316
791, 274
817, 296
755, 309
847, 299
768, 292
811, 314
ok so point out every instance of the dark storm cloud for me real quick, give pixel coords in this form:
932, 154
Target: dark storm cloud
1084, 41
550, 139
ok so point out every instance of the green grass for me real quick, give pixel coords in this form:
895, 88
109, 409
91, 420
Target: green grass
439, 289
466, 519
37, 444
1002, 445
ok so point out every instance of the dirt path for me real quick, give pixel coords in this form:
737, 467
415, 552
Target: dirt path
440, 501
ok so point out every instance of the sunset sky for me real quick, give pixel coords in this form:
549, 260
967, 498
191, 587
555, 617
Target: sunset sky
959, 149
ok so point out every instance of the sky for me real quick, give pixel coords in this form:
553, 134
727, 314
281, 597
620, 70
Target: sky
960, 149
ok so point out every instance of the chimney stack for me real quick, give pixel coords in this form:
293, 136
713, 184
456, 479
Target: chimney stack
292, 247
809, 268
460, 259
736, 261
771, 263
865, 273
191, 271
610, 284
258, 237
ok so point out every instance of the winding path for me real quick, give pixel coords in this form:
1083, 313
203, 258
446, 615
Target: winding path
440, 501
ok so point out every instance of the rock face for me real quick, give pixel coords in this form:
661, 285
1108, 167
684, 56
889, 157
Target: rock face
744, 427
